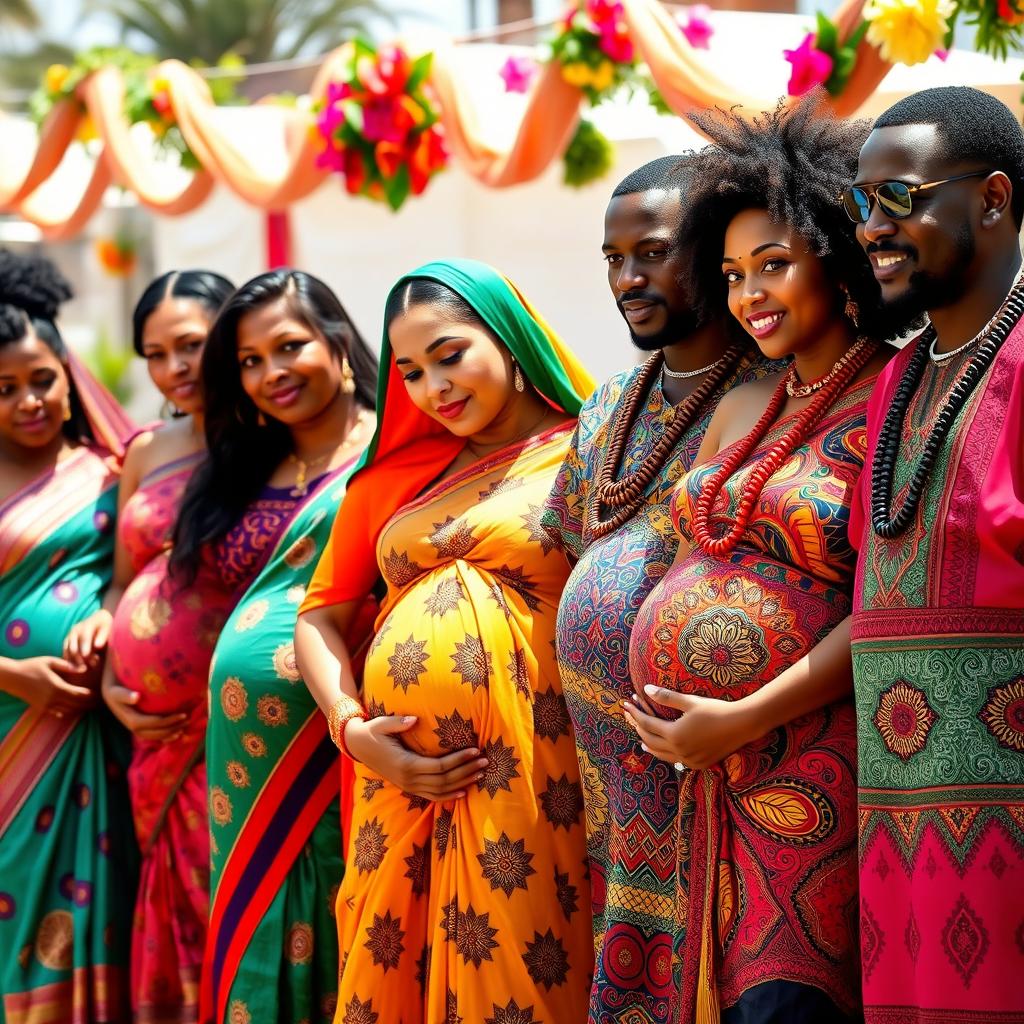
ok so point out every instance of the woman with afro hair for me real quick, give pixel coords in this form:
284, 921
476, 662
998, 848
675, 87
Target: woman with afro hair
741, 655
66, 844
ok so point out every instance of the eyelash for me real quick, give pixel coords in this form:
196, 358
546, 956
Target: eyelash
772, 266
447, 361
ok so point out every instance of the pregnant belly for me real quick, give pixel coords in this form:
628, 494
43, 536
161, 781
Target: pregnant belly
162, 640
724, 627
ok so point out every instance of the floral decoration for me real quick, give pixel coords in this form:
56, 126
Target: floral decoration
823, 59
588, 156
117, 255
379, 124
908, 31
518, 73
695, 24
594, 48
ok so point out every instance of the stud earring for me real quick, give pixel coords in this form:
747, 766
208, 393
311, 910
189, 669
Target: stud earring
517, 378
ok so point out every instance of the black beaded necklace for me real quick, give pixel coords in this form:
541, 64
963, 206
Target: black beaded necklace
886, 453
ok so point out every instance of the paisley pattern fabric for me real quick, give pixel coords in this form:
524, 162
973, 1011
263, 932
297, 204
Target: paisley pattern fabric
938, 654
765, 842
275, 823
162, 640
67, 854
630, 797
476, 909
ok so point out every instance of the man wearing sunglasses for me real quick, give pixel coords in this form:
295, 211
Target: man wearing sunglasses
938, 625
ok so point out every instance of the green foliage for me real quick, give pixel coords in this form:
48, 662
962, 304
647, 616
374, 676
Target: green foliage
994, 24
588, 156
254, 30
110, 362
844, 55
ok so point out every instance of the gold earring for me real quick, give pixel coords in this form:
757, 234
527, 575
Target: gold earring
67, 410
517, 378
261, 420
850, 310
348, 378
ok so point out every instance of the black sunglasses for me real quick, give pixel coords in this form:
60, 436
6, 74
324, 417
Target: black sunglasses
895, 198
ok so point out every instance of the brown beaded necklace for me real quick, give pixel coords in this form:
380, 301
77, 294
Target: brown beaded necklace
625, 494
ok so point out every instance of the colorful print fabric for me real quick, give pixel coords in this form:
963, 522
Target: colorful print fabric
938, 654
631, 798
765, 842
475, 909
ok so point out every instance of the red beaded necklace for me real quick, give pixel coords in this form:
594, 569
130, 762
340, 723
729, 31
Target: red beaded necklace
806, 420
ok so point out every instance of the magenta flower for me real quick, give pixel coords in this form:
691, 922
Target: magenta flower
696, 25
811, 67
329, 120
331, 159
943, 55
337, 91
615, 42
518, 73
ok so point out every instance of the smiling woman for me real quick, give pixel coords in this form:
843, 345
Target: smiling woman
289, 387
746, 635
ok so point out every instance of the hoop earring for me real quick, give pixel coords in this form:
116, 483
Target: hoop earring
517, 378
348, 378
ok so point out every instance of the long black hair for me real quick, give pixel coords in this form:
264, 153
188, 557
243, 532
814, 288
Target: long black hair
793, 162
242, 453
31, 292
209, 289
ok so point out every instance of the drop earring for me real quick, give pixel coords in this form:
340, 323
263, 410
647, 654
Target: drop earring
348, 378
67, 410
517, 378
850, 310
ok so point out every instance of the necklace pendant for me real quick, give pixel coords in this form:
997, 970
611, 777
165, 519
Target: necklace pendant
299, 490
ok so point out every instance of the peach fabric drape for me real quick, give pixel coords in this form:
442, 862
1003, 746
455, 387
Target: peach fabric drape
546, 126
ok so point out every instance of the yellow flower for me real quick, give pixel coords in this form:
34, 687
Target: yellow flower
603, 76
578, 74
907, 31
56, 76
87, 129
160, 85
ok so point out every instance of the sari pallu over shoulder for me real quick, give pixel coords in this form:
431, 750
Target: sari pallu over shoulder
284, 779
65, 828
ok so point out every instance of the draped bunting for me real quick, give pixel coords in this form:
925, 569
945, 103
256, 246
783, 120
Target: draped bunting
547, 124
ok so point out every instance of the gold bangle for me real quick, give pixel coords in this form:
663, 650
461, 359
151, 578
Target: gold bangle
342, 712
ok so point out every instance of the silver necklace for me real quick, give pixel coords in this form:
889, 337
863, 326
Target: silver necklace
938, 358
687, 374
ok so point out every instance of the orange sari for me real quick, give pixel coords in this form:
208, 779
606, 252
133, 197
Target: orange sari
477, 908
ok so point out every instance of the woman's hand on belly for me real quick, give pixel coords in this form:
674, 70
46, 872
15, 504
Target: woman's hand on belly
706, 732
122, 701
377, 744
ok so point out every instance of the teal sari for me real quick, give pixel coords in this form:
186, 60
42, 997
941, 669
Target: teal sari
274, 783
67, 857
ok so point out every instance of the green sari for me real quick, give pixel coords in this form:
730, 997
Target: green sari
274, 781
67, 857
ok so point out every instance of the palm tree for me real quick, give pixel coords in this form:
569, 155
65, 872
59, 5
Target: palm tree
256, 30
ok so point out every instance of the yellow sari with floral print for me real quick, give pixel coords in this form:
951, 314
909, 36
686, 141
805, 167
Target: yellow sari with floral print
477, 908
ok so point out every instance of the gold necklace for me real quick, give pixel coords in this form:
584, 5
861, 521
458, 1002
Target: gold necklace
303, 466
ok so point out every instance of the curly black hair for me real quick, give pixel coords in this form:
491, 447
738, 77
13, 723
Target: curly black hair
32, 290
793, 162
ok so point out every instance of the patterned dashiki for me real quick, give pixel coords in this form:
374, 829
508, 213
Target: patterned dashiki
938, 655
765, 841
475, 909
630, 797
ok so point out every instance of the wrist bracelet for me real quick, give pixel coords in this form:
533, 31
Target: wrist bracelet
342, 712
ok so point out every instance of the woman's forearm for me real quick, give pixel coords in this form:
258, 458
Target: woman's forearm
322, 655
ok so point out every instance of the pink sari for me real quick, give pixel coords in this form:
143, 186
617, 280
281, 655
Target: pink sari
161, 645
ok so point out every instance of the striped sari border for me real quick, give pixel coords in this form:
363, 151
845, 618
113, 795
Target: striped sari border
26, 753
296, 796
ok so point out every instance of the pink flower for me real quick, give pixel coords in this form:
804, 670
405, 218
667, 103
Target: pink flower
811, 67
337, 91
517, 73
615, 42
943, 55
383, 121
696, 25
329, 120
331, 159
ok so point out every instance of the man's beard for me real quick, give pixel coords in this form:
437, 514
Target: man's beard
926, 291
678, 325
